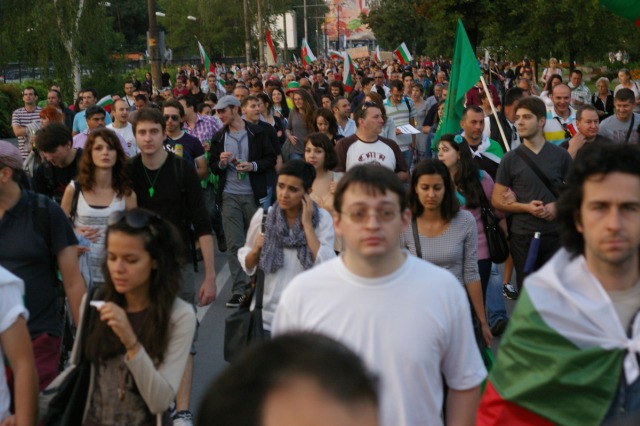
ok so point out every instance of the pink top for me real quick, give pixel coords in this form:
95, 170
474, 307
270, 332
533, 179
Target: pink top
487, 186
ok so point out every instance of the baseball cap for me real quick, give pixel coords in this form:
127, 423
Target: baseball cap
10, 156
226, 101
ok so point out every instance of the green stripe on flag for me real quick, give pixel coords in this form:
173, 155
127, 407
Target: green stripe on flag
540, 370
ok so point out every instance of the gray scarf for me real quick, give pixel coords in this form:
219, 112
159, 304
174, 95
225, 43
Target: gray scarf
277, 236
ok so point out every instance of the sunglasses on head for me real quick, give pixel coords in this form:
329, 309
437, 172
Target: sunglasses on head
136, 219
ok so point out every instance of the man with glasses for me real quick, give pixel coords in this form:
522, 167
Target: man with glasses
367, 147
181, 143
370, 214
24, 116
379, 86
560, 116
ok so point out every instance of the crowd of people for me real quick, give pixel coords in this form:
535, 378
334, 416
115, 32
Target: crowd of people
372, 236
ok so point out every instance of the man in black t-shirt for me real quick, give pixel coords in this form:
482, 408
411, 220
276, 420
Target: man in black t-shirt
181, 143
61, 165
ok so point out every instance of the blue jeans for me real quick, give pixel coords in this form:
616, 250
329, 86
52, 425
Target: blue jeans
626, 403
408, 157
266, 202
296, 156
495, 306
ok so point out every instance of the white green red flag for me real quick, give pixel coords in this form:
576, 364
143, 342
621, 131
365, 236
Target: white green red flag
106, 102
307, 55
334, 54
271, 49
377, 57
206, 62
563, 354
295, 59
349, 71
402, 52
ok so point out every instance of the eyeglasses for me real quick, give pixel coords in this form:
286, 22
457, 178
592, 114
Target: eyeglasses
173, 117
362, 215
136, 219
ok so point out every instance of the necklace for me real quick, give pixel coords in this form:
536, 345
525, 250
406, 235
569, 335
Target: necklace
152, 183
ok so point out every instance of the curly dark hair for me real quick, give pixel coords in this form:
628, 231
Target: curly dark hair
327, 115
86, 169
450, 205
467, 177
162, 241
592, 160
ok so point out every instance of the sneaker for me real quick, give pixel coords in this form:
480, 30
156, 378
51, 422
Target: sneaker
183, 418
222, 243
509, 291
498, 328
235, 300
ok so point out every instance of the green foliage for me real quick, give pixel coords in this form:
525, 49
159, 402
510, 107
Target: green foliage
9, 101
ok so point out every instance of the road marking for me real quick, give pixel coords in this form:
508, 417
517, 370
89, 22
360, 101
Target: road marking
221, 280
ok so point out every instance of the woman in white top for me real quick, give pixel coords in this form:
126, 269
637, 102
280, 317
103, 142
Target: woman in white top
298, 234
103, 189
552, 70
626, 82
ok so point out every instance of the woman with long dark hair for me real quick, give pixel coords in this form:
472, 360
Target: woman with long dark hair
139, 348
103, 187
447, 235
279, 100
325, 122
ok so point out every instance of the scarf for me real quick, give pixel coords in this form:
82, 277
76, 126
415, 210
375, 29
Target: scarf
278, 236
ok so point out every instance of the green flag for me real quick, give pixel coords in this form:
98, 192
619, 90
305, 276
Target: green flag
465, 73
629, 9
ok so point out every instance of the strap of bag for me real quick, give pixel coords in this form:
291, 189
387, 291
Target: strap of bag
88, 319
74, 201
633, 119
416, 237
260, 273
545, 180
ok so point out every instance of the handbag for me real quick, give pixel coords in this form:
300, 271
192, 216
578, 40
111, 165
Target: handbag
63, 402
496, 240
244, 327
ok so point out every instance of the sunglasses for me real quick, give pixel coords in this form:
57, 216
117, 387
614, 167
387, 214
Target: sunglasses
368, 105
173, 117
136, 219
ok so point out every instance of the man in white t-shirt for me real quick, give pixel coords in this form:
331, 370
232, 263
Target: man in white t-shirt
15, 345
367, 147
122, 126
411, 323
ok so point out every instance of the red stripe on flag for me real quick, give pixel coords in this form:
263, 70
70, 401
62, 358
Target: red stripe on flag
496, 411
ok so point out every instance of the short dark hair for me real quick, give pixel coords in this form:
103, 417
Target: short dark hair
450, 204
397, 84
474, 108
361, 111
148, 114
584, 108
94, 110
367, 81
513, 95
172, 103
533, 104
592, 160
141, 97
93, 92
300, 169
211, 97
625, 95
33, 89
237, 396
334, 102
374, 179
191, 101
576, 71
247, 99
50, 137
194, 80
322, 141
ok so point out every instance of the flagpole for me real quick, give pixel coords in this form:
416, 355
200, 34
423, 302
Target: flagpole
495, 113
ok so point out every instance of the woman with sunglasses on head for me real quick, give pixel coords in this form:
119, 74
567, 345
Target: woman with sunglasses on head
447, 235
102, 187
138, 348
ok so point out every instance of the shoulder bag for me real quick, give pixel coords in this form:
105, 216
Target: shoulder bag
244, 327
63, 402
496, 240
545, 180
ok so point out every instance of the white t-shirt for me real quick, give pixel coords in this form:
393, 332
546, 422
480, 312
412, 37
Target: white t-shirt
410, 327
11, 307
127, 134
378, 153
275, 283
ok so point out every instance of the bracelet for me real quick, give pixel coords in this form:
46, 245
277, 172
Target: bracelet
132, 347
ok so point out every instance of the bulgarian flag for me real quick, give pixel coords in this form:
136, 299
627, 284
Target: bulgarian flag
564, 352
377, 57
206, 62
629, 9
307, 55
106, 103
402, 52
271, 49
334, 54
465, 73
349, 71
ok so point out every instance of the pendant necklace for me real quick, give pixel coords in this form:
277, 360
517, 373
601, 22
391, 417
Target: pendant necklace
152, 183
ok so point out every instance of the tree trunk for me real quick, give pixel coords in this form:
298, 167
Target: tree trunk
67, 40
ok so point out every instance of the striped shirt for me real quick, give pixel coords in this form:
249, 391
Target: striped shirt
555, 128
22, 118
401, 115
